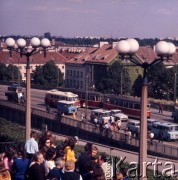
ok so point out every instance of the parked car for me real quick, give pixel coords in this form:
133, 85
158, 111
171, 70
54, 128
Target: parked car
150, 123
117, 114
164, 130
101, 114
133, 126
14, 87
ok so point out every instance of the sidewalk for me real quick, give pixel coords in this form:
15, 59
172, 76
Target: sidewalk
165, 113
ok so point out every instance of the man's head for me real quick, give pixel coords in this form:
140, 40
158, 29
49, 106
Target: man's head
102, 159
38, 157
60, 163
88, 147
69, 165
33, 134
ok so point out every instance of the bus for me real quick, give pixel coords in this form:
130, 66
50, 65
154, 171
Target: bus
54, 95
128, 105
167, 131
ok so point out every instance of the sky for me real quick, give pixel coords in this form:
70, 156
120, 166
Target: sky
94, 18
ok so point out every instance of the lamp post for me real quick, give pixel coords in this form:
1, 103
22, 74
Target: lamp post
26, 51
86, 95
128, 48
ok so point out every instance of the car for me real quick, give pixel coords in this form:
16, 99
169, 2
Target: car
117, 114
101, 114
150, 123
133, 126
14, 87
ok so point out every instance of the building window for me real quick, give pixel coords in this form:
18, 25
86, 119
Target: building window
81, 84
74, 73
77, 73
62, 67
70, 72
67, 72
81, 74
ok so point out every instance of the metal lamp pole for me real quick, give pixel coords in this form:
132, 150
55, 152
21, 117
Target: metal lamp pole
130, 47
24, 50
175, 87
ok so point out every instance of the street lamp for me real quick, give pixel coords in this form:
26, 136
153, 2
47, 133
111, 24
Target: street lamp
128, 48
24, 50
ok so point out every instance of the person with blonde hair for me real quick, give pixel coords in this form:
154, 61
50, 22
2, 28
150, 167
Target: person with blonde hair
70, 173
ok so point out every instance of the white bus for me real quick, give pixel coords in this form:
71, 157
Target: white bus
168, 131
53, 96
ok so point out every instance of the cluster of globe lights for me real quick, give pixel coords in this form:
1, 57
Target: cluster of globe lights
35, 42
131, 46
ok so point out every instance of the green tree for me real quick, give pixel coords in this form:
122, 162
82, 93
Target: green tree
11, 73
2, 71
137, 86
161, 82
48, 74
117, 80
37, 75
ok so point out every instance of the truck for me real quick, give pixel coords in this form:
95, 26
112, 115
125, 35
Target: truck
15, 96
66, 107
14, 93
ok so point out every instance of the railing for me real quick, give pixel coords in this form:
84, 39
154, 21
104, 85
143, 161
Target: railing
56, 124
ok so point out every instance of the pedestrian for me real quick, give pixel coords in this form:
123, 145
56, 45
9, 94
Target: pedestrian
160, 108
160, 136
31, 145
107, 169
151, 136
82, 116
37, 171
129, 136
119, 124
20, 165
70, 172
48, 108
49, 160
58, 170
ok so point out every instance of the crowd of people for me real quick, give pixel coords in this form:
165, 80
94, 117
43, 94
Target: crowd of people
42, 159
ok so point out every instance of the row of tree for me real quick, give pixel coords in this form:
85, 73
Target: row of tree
161, 81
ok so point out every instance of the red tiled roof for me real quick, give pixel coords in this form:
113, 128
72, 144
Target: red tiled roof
147, 54
102, 55
36, 58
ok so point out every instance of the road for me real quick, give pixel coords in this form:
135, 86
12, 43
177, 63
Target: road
37, 101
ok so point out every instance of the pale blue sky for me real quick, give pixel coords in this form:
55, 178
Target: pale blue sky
105, 18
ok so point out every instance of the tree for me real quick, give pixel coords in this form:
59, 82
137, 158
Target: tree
161, 82
137, 86
2, 71
48, 74
11, 73
37, 75
112, 82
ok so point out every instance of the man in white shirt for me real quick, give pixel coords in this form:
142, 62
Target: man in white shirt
107, 169
31, 146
